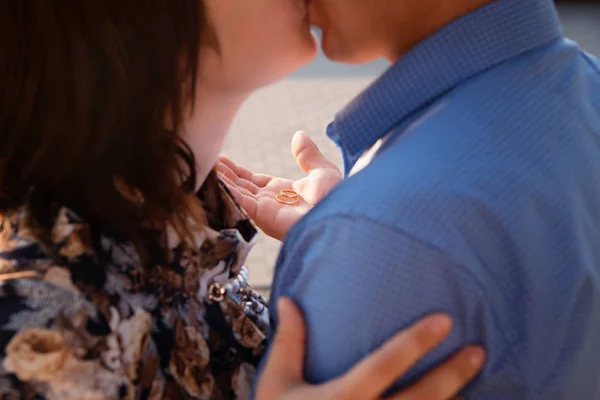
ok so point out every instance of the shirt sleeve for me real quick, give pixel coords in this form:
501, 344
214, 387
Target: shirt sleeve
359, 282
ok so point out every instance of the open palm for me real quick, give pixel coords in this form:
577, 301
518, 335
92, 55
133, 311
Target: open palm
256, 192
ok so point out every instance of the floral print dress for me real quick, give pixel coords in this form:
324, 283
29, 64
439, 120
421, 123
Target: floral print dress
77, 325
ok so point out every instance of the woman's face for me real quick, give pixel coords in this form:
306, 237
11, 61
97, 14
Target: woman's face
246, 44
257, 42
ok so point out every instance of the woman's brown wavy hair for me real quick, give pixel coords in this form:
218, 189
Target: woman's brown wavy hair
85, 89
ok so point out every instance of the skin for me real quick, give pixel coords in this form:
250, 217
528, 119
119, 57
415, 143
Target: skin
353, 31
357, 31
256, 192
254, 43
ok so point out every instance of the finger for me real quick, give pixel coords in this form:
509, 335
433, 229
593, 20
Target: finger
375, 373
230, 184
227, 161
244, 191
226, 172
286, 356
240, 171
225, 166
245, 199
248, 203
445, 381
248, 186
307, 154
223, 169
259, 180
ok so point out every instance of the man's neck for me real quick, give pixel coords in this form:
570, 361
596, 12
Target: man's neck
428, 17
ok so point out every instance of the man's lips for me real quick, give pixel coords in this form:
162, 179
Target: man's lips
301, 6
312, 14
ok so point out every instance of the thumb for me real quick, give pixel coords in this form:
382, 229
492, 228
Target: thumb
307, 154
286, 356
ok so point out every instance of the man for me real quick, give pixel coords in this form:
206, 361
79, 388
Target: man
473, 188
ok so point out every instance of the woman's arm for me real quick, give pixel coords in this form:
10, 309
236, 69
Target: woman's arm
282, 378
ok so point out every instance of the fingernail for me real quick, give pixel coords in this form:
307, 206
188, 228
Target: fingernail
439, 324
476, 356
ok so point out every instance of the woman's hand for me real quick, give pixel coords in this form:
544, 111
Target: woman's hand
282, 378
256, 193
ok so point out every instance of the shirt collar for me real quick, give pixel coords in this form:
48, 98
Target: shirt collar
474, 43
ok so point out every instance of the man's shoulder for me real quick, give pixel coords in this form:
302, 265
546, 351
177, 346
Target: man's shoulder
472, 150
413, 181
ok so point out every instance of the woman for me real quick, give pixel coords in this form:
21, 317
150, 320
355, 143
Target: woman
121, 252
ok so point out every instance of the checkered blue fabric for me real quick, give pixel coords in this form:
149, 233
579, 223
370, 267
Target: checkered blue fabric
484, 203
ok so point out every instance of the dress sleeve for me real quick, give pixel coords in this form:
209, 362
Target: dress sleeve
55, 344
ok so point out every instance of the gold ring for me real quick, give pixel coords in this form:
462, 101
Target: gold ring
290, 193
286, 200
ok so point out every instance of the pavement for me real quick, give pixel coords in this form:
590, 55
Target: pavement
307, 100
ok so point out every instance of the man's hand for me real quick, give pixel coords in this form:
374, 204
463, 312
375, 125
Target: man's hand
256, 193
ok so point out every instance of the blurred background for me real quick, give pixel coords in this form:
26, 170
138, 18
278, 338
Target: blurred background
260, 136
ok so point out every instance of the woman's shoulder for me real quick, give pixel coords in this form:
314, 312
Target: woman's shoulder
54, 339
51, 330
60, 252
117, 324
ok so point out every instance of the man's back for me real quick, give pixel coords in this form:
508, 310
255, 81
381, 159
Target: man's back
484, 202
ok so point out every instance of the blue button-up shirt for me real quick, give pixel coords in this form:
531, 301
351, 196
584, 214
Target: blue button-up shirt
484, 203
